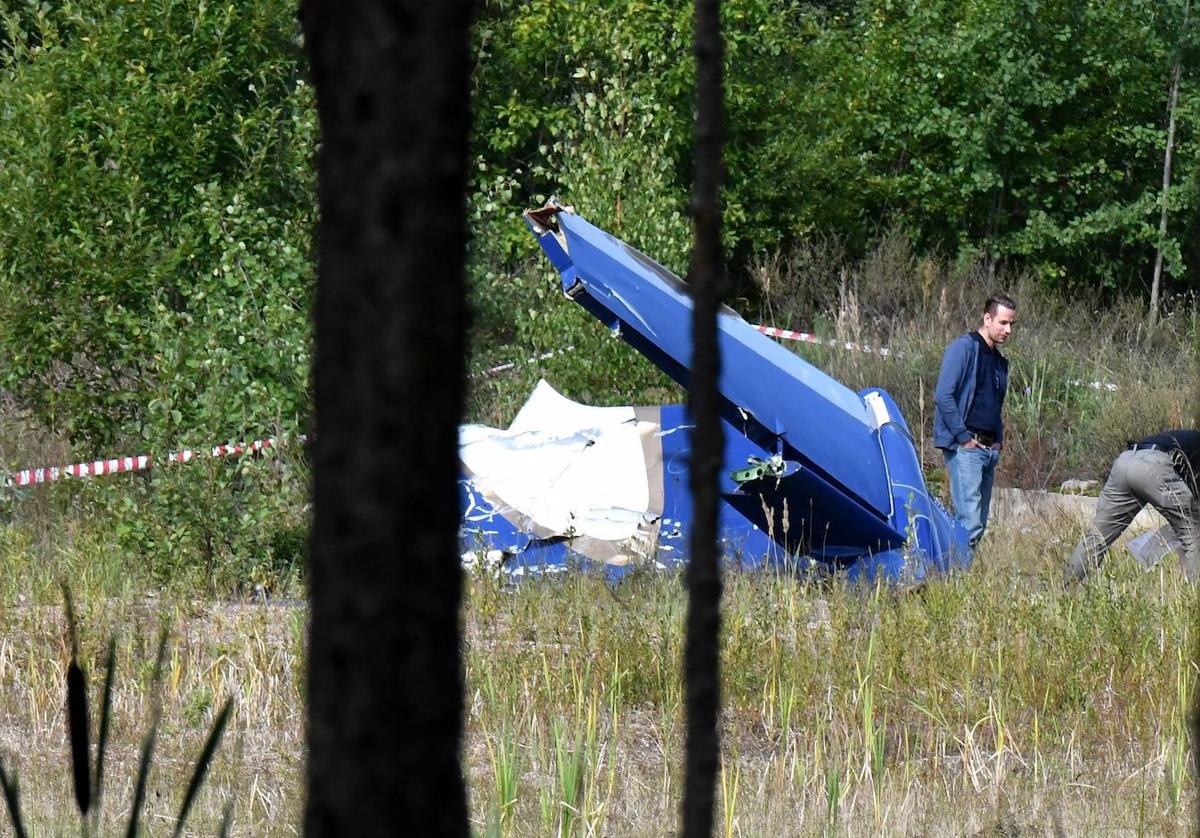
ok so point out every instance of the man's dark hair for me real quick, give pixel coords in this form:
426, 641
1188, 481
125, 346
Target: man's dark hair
996, 301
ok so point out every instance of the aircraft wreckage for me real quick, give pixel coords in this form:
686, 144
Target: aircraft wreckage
816, 477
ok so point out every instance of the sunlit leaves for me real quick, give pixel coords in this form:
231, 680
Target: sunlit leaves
156, 208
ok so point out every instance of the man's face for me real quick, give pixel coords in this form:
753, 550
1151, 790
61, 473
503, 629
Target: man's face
997, 327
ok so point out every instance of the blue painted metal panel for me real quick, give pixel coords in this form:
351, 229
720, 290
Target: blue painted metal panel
787, 397
852, 496
744, 539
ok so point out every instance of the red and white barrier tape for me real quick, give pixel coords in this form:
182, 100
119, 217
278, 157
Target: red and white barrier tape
788, 334
769, 331
805, 337
141, 462
513, 364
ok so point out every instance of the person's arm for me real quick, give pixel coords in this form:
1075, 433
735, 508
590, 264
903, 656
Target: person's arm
954, 370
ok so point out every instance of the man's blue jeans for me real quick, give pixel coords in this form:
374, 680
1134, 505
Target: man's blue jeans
971, 472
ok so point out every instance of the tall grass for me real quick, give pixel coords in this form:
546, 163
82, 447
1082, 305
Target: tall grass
946, 709
254, 656
990, 701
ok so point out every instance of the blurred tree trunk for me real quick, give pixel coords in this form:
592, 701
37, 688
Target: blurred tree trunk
384, 681
702, 654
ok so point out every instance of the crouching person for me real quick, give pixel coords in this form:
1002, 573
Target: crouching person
1160, 470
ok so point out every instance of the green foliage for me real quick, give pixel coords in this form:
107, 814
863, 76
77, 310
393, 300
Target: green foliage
1031, 132
591, 102
226, 526
587, 101
156, 208
157, 202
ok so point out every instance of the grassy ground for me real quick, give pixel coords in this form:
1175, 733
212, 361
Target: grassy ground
253, 653
992, 703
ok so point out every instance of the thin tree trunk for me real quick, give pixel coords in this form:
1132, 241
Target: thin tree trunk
994, 233
384, 682
1172, 101
702, 661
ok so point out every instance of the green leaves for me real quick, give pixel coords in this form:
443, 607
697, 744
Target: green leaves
157, 205
156, 171
1031, 131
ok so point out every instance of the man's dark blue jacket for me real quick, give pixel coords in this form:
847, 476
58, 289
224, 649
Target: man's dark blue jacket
955, 391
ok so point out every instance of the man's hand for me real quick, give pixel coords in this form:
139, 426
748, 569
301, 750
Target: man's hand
972, 443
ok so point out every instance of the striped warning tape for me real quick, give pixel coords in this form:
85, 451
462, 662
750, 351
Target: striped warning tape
140, 462
770, 331
805, 337
513, 364
787, 334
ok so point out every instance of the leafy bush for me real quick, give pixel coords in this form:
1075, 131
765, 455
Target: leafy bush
1026, 132
223, 526
156, 214
157, 203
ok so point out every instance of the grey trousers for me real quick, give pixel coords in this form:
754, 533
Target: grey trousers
1139, 478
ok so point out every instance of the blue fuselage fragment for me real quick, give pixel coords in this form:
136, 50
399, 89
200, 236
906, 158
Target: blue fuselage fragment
844, 489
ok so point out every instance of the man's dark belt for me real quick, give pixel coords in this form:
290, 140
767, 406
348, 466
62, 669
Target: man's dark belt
984, 437
1148, 446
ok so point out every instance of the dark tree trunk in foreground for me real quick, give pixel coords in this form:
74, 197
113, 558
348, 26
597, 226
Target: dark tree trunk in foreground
384, 683
702, 661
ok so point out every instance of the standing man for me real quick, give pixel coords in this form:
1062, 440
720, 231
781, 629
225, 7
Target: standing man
1160, 470
967, 423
